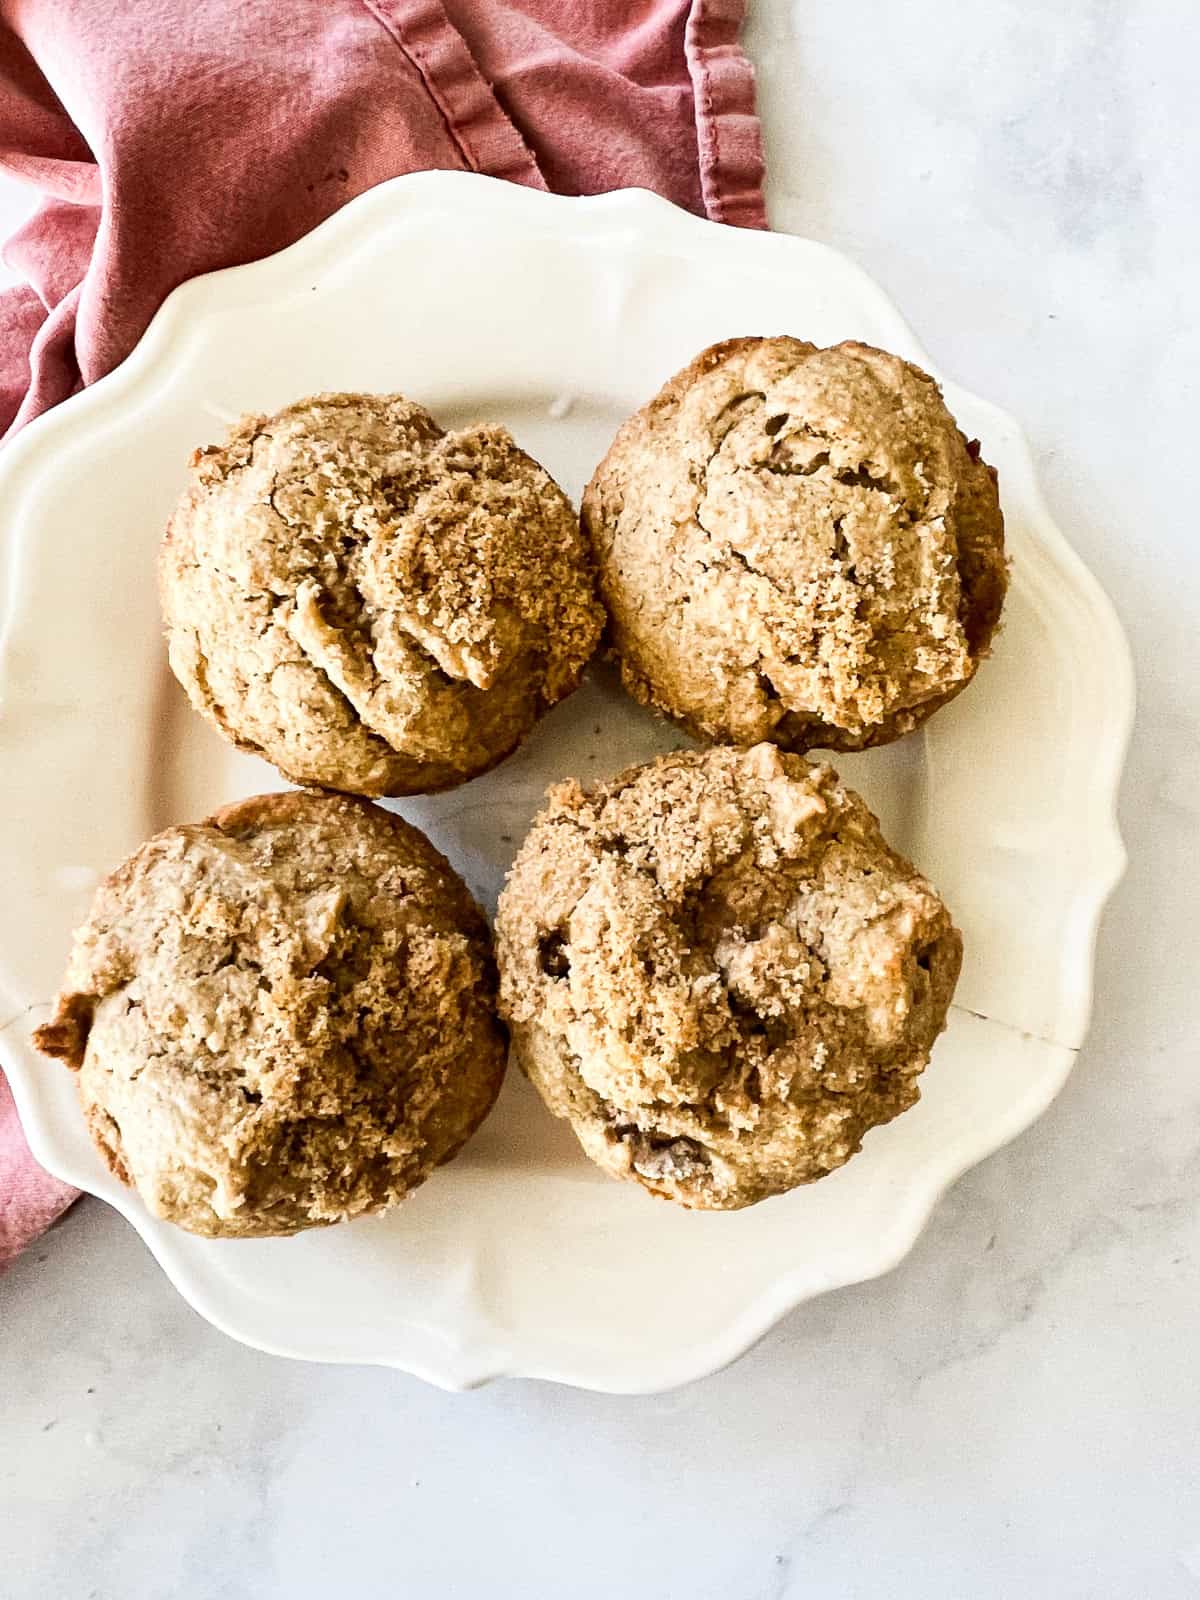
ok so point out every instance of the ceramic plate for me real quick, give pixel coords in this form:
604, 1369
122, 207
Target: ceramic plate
557, 317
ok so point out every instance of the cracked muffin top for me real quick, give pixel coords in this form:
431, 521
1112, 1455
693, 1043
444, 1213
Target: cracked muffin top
371, 603
797, 544
717, 970
281, 1017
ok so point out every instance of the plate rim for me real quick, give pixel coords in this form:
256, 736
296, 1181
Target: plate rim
654, 222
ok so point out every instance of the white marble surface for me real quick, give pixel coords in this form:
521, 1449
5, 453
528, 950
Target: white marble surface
1016, 1410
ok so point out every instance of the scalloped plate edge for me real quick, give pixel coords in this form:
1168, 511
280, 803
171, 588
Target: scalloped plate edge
652, 220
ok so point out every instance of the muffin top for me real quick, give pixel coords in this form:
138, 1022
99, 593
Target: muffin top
371, 603
718, 971
281, 1017
797, 544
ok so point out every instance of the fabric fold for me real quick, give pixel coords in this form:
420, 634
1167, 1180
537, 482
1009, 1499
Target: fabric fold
728, 130
486, 139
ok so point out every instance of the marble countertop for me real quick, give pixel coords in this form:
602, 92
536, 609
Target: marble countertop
1016, 1409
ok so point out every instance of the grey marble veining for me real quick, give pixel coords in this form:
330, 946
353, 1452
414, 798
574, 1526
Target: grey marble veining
1016, 1409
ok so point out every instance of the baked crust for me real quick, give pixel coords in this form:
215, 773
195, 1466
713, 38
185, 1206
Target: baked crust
281, 1017
718, 972
373, 604
797, 544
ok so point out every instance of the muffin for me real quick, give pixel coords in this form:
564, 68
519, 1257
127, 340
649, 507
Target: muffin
799, 545
281, 1017
717, 971
370, 603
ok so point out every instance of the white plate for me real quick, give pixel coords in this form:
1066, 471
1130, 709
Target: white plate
557, 317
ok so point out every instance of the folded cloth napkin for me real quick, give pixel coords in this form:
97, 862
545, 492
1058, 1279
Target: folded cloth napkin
169, 139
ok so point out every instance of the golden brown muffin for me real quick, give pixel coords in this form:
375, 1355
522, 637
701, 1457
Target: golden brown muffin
281, 1017
797, 544
372, 604
719, 973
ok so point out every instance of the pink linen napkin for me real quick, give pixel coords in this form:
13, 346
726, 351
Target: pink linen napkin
169, 139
